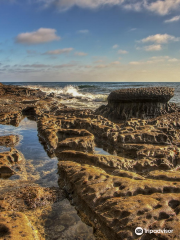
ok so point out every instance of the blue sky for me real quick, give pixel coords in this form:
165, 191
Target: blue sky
90, 40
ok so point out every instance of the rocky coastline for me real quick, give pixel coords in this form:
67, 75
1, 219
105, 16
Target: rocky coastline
136, 185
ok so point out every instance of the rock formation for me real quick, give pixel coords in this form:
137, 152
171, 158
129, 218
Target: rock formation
137, 184
143, 103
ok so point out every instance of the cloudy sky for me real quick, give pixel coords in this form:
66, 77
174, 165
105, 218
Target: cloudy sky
90, 40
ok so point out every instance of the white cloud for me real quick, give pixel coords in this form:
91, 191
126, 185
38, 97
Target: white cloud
80, 54
156, 60
101, 66
153, 47
85, 31
134, 6
159, 38
108, 65
42, 35
36, 65
122, 51
174, 19
162, 7
93, 4
173, 60
135, 63
59, 51
115, 63
115, 46
133, 29
66, 65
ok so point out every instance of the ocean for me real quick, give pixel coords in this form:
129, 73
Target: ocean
92, 95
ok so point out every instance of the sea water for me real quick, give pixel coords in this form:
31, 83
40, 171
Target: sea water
89, 94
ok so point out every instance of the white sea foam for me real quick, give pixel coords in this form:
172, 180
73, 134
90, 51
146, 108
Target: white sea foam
72, 92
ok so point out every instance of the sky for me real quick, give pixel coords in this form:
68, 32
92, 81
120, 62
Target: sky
90, 40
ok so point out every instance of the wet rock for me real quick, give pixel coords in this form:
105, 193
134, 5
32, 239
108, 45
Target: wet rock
9, 162
57, 139
9, 141
6, 172
22, 91
114, 194
11, 118
29, 197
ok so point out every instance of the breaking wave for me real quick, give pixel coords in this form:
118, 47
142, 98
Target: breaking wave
73, 92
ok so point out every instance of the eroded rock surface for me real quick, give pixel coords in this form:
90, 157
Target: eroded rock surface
16, 226
144, 103
137, 184
120, 204
9, 141
45, 212
12, 163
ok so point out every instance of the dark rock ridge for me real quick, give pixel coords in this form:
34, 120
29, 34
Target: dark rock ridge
143, 103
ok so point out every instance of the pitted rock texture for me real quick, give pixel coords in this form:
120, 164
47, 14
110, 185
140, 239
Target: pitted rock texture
29, 197
16, 226
120, 204
143, 103
152, 94
16, 102
137, 185
44, 212
57, 139
11, 163
146, 149
9, 141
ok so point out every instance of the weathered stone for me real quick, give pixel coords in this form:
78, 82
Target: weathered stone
9, 141
115, 194
57, 139
120, 204
143, 103
165, 175
9, 161
16, 226
152, 94
29, 197
106, 162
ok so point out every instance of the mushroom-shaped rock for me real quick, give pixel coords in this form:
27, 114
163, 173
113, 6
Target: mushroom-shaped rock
143, 103
151, 94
